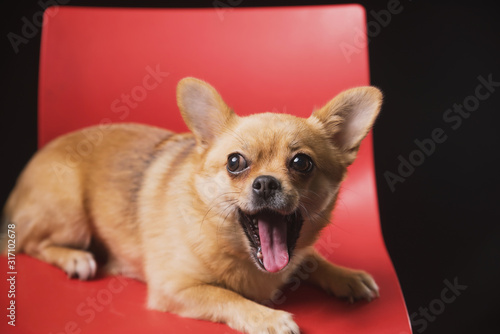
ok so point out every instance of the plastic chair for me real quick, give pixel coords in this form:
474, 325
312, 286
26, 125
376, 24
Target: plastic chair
102, 65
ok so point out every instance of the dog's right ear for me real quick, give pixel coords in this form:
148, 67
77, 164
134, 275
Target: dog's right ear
203, 110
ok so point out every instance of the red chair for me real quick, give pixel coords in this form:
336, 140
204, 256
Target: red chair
101, 65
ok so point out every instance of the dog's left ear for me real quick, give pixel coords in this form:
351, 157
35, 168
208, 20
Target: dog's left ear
203, 110
348, 118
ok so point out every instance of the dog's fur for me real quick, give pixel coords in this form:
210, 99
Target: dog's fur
175, 210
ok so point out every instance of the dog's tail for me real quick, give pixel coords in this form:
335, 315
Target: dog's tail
4, 222
3, 233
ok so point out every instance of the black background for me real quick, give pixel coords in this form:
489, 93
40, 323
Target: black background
442, 222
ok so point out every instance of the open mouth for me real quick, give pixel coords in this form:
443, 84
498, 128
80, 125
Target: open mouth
272, 236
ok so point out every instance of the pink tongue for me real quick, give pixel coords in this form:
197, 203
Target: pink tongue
272, 233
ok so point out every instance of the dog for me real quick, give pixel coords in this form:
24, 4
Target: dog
214, 221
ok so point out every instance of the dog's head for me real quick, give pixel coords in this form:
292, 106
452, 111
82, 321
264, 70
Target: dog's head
273, 178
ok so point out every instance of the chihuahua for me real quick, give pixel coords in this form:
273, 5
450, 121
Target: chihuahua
214, 221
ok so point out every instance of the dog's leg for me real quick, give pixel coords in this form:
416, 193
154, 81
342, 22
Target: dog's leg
217, 304
76, 263
342, 282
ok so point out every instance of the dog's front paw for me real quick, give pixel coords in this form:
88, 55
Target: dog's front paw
266, 321
80, 264
354, 285
76, 263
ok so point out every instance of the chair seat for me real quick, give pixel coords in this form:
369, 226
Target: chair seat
102, 65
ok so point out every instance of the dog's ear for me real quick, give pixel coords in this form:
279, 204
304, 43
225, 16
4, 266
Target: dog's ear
203, 110
348, 118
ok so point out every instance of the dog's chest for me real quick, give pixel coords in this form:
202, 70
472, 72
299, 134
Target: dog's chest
252, 283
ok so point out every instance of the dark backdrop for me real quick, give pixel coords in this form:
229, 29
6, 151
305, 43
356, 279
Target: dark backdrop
436, 145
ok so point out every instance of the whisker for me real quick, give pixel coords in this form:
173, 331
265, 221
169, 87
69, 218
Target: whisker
305, 212
215, 203
224, 220
235, 135
317, 216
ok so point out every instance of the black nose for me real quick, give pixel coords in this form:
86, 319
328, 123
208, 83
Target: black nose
265, 186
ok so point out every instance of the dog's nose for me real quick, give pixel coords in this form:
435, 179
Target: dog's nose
265, 186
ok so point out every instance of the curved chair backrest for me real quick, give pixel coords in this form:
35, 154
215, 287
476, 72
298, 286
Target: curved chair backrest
103, 65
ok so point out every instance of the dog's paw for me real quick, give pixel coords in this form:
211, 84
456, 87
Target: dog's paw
266, 321
79, 264
354, 285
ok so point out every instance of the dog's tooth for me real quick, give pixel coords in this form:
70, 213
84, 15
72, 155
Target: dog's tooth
259, 255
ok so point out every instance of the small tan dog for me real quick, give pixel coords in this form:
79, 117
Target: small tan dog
214, 221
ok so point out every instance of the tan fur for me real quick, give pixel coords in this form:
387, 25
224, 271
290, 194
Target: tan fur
163, 208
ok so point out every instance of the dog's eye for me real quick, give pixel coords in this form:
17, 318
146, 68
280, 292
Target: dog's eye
236, 163
302, 163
